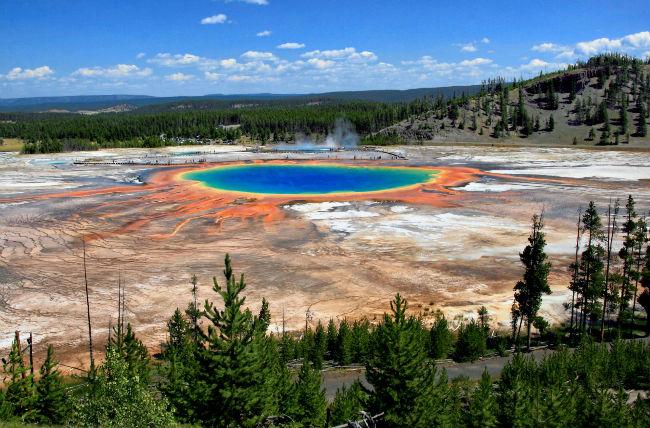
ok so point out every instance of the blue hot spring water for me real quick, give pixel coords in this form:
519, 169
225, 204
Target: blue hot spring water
310, 179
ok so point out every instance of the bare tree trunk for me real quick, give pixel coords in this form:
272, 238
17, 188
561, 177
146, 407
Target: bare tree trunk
575, 271
611, 229
90, 331
31, 353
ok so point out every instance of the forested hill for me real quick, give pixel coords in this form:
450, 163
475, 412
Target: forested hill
602, 101
107, 103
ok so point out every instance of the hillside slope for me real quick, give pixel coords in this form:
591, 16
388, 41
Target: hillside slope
599, 102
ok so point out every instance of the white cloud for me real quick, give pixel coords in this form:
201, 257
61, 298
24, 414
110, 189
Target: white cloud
179, 77
469, 47
321, 63
548, 47
214, 19
228, 63
39, 73
264, 33
348, 54
599, 45
291, 45
169, 60
631, 42
535, 65
259, 56
475, 62
141, 55
115, 72
485, 40
212, 76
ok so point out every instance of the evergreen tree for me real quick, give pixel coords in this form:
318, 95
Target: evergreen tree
642, 125
550, 126
52, 405
344, 344
133, 351
20, 395
310, 404
626, 254
483, 408
332, 339
440, 339
319, 348
624, 119
180, 372
471, 343
591, 266
348, 403
529, 291
240, 384
403, 378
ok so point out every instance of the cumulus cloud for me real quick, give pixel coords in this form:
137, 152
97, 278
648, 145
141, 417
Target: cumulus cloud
320, 63
259, 56
169, 60
630, 43
141, 55
214, 19
485, 40
38, 73
475, 62
468, 47
115, 72
212, 76
291, 45
348, 53
264, 33
179, 77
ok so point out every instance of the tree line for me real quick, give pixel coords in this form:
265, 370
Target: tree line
52, 133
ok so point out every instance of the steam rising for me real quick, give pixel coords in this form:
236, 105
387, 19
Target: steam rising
342, 136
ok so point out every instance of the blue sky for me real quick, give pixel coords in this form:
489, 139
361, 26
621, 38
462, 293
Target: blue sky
196, 47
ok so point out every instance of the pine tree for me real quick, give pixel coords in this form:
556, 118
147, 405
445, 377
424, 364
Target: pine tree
180, 373
20, 395
344, 344
319, 348
640, 240
551, 124
591, 266
332, 334
471, 343
483, 408
52, 405
626, 254
592, 135
132, 350
642, 125
440, 339
403, 378
529, 291
624, 119
240, 385
348, 403
310, 404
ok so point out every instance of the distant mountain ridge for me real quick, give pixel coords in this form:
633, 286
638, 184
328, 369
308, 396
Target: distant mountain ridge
78, 103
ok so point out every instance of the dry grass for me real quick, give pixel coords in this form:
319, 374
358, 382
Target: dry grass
11, 145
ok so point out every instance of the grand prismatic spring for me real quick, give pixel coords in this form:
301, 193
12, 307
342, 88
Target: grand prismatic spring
331, 235
309, 179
